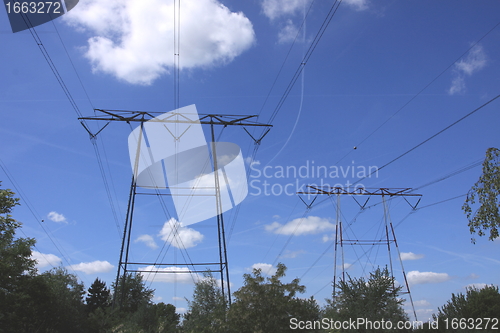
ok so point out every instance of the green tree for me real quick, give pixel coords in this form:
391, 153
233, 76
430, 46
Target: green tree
49, 302
373, 299
207, 311
157, 318
269, 305
487, 193
98, 296
475, 303
66, 306
131, 293
16, 264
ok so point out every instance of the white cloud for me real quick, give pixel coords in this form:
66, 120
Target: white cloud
56, 217
277, 8
422, 303
474, 61
92, 267
416, 277
301, 226
177, 298
181, 310
45, 259
267, 269
180, 236
327, 238
346, 266
148, 240
476, 285
358, 5
292, 254
288, 33
473, 276
424, 313
457, 85
169, 274
133, 40
411, 256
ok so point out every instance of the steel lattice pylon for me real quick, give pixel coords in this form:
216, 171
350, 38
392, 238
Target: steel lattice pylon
142, 117
390, 235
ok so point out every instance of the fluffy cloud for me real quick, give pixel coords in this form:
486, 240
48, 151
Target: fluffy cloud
302, 226
92, 267
56, 217
424, 313
288, 33
474, 61
133, 40
476, 285
327, 238
358, 5
292, 254
45, 259
411, 256
169, 274
274, 9
148, 240
416, 277
180, 236
422, 303
267, 269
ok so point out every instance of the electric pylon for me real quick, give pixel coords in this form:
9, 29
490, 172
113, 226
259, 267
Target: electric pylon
389, 236
141, 117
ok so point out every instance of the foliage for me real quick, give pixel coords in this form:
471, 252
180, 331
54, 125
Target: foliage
15, 253
268, 305
53, 301
157, 318
49, 302
16, 265
487, 191
373, 299
476, 303
98, 296
207, 311
65, 293
131, 293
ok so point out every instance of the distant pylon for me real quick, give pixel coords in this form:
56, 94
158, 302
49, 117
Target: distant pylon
389, 235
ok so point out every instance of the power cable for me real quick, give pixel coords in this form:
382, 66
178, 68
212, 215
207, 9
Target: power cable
422, 90
37, 217
430, 138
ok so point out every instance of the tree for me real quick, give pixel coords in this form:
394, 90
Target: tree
268, 305
476, 303
16, 265
131, 293
97, 296
374, 299
15, 254
487, 192
207, 311
157, 318
66, 307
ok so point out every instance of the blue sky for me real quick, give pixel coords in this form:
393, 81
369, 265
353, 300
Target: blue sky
374, 58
